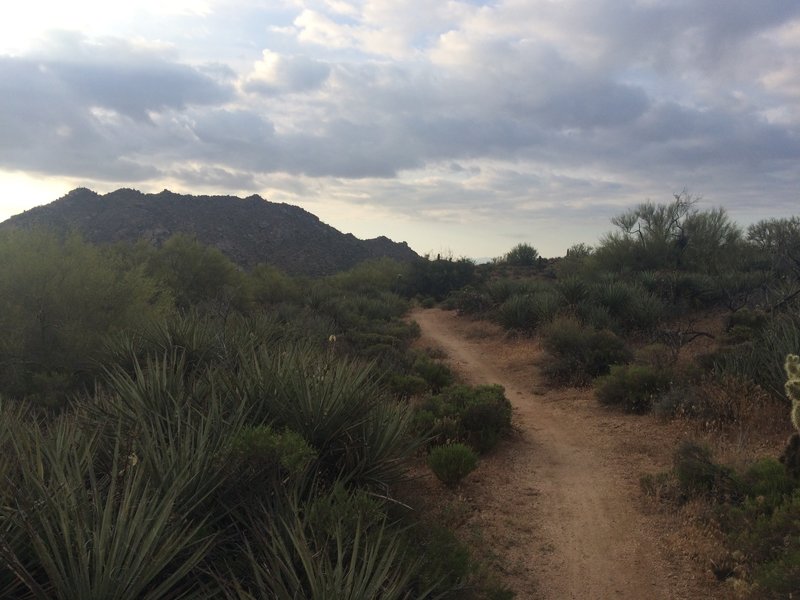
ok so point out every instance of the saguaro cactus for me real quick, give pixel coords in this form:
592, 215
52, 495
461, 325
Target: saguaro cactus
791, 456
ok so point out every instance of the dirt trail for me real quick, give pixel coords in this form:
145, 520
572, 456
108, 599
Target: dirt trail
559, 505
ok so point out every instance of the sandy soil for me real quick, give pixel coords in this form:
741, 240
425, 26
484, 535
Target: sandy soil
558, 507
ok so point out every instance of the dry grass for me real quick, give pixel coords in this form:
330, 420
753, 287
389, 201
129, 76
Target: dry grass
740, 421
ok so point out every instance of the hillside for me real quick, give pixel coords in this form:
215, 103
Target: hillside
249, 231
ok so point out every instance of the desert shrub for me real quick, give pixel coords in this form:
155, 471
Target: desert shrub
479, 416
765, 532
573, 290
595, 315
437, 278
407, 386
500, 290
681, 289
761, 359
577, 354
337, 546
680, 399
468, 300
58, 299
699, 476
336, 404
768, 479
616, 295
97, 531
644, 313
453, 462
522, 255
262, 451
632, 387
199, 277
744, 326
752, 319
428, 302
731, 401
437, 375
270, 286
529, 311
630, 305
518, 312
445, 561
377, 274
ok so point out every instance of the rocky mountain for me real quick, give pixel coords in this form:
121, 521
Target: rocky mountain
249, 230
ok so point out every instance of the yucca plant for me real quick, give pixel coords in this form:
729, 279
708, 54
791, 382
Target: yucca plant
762, 359
350, 556
573, 290
179, 429
96, 533
615, 295
14, 548
517, 312
337, 405
198, 339
386, 442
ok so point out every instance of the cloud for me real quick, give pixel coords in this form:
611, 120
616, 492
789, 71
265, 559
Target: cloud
505, 107
276, 74
84, 108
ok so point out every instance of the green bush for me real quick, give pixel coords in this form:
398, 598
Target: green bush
500, 290
337, 405
573, 290
768, 478
596, 316
336, 546
529, 311
629, 304
437, 278
59, 298
698, 475
453, 462
522, 255
761, 359
436, 374
96, 531
407, 386
446, 562
428, 302
479, 416
577, 354
765, 532
262, 450
468, 300
199, 277
632, 387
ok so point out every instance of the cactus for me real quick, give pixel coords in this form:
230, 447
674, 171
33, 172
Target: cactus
791, 456
793, 387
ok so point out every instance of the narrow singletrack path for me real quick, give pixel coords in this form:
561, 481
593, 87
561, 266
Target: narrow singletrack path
559, 504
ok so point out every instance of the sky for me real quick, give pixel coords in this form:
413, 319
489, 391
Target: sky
460, 126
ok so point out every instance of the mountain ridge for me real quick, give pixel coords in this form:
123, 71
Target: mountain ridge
248, 230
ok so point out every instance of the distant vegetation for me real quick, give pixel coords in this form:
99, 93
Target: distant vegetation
681, 312
173, 426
